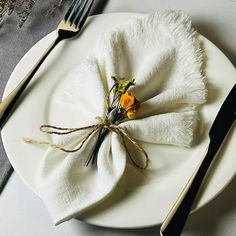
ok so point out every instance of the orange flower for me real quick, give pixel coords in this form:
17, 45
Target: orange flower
130, 104
127, 100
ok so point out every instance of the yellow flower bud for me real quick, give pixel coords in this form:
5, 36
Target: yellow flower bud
131, 114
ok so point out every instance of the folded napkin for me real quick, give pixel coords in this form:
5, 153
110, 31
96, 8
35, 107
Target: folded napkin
162, 53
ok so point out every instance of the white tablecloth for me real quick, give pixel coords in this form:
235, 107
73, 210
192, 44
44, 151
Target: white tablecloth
22, 213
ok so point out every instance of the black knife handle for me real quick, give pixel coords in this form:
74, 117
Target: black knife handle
175, 220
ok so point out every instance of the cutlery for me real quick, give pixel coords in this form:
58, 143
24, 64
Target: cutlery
69, 27
177, 216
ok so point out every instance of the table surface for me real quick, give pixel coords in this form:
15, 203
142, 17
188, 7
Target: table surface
22, 212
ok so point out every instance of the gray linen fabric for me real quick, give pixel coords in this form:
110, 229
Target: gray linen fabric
14, 43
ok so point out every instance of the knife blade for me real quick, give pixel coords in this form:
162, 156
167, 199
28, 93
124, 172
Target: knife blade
177, 216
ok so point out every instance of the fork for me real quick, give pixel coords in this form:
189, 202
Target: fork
69, 27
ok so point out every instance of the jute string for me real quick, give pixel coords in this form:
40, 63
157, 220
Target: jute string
101, 123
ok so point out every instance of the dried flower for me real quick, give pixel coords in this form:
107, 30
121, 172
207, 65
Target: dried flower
131, 114
127, 100
123, 104
130, 104
121, 85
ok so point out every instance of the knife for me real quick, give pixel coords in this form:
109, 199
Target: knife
177, 216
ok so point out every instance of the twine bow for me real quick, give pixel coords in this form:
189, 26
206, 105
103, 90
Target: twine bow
101, 123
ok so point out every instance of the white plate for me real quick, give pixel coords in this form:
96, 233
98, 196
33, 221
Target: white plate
142, 198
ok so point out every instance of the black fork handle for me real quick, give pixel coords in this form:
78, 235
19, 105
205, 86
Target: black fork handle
7, 104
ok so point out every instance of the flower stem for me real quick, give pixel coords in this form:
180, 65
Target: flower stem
101, 136
118, 114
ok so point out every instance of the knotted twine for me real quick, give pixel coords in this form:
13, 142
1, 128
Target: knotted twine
101, 123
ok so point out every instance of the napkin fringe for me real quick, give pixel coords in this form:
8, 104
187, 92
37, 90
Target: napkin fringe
184, 131
180, 26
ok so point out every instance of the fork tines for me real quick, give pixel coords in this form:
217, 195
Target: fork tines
78, 12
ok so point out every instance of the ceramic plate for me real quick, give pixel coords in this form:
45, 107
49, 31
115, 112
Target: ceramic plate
142, 198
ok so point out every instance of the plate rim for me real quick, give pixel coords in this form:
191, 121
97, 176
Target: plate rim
12, 161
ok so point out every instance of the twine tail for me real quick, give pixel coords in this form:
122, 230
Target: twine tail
33, 141
124, 135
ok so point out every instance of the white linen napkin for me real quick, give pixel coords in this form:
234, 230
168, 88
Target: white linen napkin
161, 51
